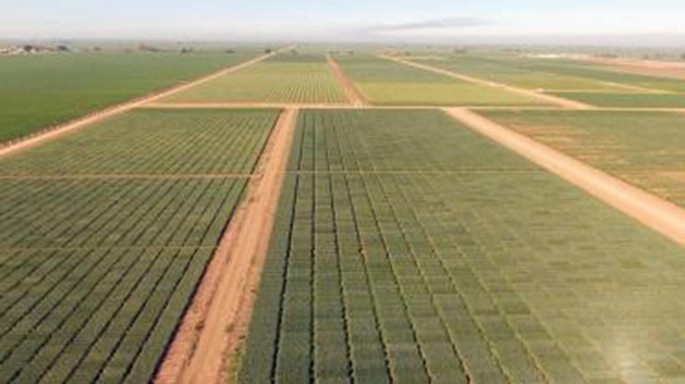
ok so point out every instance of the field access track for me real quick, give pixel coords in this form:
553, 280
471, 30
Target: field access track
642, 148
399, 257
96, 272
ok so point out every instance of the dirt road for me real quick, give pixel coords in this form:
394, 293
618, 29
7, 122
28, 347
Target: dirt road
654, 212
59, 130
221, 310
351, 91
571, 104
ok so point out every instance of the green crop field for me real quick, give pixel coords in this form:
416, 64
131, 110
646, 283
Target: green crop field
153, 142
385, 82
390, 263
644, 148
285, 78
37, 92
627, 100
508, 72
96, 272
573, 68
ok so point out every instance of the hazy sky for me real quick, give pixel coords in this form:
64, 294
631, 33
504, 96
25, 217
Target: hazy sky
347, 20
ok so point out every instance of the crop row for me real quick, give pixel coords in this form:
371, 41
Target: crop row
504, 276
295, 81
154, 142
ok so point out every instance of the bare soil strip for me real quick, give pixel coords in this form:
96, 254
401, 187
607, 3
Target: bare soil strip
219, 314
59, 130
652, 211
353, 94
525, 92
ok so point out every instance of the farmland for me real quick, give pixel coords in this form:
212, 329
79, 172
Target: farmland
586, 83
493, 273
635, 100
38, 92
285, 78
346, 216
644, 148
97, 271
508, 72
384, 82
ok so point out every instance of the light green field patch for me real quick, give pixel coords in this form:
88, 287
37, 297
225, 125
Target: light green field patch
508, 72
385, 82
280, 81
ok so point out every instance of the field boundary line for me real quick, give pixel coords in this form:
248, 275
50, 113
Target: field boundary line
566, 103
220, 311
69, 126
650, 210
353, 94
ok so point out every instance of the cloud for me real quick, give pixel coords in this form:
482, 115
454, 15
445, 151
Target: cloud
454, 22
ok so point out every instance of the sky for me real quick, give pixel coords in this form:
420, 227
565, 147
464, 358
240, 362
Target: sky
493, 21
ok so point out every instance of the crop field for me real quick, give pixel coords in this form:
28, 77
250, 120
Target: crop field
453, 270
384, 82
573, 68
632, 100
42, 91
285, 78
153, 142
644, 148
513, 73
105, 234
373, 229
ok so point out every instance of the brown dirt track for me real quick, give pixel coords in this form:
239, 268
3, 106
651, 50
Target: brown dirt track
652, 211
220, 312
355, 97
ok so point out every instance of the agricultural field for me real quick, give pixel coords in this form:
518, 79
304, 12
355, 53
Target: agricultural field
105, 235
390, 263
590, 84
286, 78
643, 148
512, 73
384, 82
41, 91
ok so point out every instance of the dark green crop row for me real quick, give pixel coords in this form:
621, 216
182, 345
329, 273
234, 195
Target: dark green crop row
417, 277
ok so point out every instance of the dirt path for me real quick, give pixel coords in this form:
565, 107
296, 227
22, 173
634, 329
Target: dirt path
571, 104
220, 311
59, 130
654, 212
351, 91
